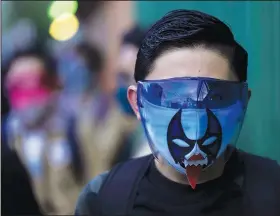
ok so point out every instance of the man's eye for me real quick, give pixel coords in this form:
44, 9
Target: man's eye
209, 141
181, 143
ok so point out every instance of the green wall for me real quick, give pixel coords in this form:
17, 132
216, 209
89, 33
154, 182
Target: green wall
8, 15
37, 12
256, 26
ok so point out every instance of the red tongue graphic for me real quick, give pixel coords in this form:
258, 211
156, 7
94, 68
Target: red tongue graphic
196, 157
193, 173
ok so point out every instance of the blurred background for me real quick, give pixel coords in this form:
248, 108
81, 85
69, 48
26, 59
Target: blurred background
65, 68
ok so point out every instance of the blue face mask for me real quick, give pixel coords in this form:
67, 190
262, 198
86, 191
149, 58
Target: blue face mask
191, 122
75, 74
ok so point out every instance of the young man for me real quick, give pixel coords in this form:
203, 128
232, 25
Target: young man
191, 97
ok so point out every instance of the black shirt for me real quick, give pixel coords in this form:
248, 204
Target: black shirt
249, 186
222, 196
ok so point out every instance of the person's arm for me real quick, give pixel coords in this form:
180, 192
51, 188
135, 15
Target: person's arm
88, 200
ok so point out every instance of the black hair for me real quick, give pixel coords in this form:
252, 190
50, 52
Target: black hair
36, 51
92, 55
134, 36
189, 28
39, 52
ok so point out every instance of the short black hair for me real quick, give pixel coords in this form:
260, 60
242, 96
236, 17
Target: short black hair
36, 51
134, 36
189, 28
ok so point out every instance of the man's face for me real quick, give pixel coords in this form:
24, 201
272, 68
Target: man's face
192, 107
186, 62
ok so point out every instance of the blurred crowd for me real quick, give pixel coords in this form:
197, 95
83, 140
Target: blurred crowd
60, 128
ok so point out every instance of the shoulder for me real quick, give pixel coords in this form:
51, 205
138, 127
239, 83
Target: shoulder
262, 162
134, 167
261, 178
263, 166
92, 188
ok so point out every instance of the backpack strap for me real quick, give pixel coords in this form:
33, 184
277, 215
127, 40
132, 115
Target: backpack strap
118, 191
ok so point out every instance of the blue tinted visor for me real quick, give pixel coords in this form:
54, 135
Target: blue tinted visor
195, 93
187, 117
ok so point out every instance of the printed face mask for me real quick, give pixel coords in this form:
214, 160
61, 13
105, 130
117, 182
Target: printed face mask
26, 89
190, 122
29, 98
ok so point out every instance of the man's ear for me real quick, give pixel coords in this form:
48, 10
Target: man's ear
132, 98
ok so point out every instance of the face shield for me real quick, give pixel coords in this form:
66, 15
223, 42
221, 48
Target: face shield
191, 122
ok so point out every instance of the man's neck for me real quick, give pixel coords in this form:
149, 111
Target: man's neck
211, 173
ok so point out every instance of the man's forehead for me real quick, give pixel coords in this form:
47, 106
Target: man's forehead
191, 62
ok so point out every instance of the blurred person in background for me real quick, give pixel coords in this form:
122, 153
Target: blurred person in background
16, 188
101, 127
40, 133
135, 143
191, 96
75, 77
127, 58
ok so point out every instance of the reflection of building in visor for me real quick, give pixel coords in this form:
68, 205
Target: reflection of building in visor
192, 121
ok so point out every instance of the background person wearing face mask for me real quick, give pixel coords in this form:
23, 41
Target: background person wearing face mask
16, 189
101, 126
135, 143
79, 68
39, 131
127, 58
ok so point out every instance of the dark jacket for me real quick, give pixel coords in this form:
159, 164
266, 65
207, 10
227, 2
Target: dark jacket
257, 177
17, 197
